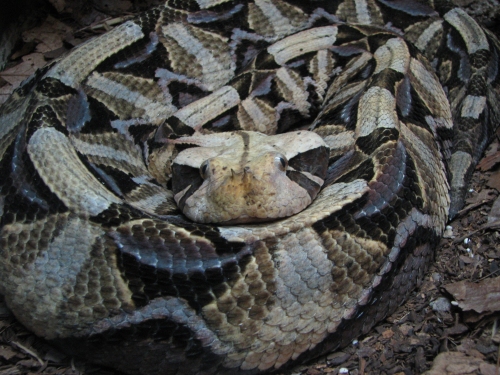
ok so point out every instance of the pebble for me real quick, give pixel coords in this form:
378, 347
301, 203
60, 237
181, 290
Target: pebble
441, 304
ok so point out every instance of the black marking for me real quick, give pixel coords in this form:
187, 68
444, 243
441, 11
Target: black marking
369, 143
349, 34
117, 214
344, 220
214, 15
26, 197
161, 337
29, 84
246, 51
459, 58
226, 121
141, 133
78, 112
265, 61
387, 79
53, 88
182, 177
184, 93
377, 40
158, 262
178, 127
364, 170
343, 113
123, 180
477, 85
242, 84
41, 117
246, 147
313, 161
410, 105
100, 120
143, 55
312, 187
189, 5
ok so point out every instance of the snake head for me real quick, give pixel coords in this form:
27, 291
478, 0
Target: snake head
249, 177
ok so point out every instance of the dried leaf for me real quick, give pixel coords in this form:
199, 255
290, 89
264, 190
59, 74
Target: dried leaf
50, 35
5, 92
494, 180
456, 330
114, 6
480, 297
485, 195
58, 4
489, 161
7, 353
455, 363
387, 334
20, 72
494, 214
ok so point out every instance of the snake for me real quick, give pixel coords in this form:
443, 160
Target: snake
226, 186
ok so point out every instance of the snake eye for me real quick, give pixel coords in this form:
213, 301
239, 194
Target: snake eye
204, 169
281, 162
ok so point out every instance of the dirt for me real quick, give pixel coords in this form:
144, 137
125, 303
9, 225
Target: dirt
444, 327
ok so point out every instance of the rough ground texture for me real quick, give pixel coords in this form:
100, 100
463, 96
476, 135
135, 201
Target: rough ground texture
449, 326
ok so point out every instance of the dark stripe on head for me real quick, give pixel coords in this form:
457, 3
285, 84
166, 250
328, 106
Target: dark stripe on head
313, 161
182, 177
312, 187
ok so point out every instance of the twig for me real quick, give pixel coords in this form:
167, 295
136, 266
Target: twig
493, 225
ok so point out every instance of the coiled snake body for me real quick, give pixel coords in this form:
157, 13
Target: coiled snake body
95, 253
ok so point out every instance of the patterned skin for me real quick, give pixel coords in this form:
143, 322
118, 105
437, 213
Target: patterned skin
94, 252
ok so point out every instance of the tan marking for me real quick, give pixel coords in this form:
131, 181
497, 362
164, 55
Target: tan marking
209, 51
45, 286
111, 149
149, 198
153, 101
256, 115
362, 12
429, 34
393, 54
459, 164
73, 69
303, 42
377, 109
429, 90
420, 144
474, 37
292, 88
203, 110
266, 18
321, 67
74, 185
204, 4
473, 106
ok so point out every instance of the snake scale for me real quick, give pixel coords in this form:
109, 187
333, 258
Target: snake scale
95, 254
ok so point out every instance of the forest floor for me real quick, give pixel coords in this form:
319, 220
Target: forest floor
450, 325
